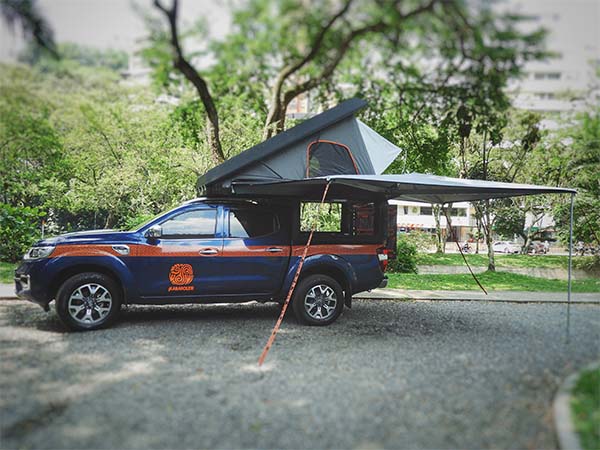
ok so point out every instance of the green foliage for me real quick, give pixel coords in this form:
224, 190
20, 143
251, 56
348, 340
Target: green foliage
585, 406
73, 55
406, 257
133, 223
588, 263
325, 218
91, 153
509, 221
19, 228
422, 240
524, 261
32, 155
7, 272
493, 281
579, 152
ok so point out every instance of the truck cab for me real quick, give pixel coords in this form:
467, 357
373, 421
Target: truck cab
213, 250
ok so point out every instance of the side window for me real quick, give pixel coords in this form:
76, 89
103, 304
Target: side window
246, 223
328, 219
200, 223
363, 219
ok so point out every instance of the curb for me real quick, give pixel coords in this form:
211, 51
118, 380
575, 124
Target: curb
565, 429
489, 300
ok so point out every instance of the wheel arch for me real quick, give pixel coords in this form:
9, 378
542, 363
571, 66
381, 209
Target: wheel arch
77, 269
335, 272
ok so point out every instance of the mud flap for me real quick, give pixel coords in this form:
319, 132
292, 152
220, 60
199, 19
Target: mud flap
348, 299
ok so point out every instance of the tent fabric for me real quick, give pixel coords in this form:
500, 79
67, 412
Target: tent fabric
287, 156
284, 155
291, 163
414, 187
381, 151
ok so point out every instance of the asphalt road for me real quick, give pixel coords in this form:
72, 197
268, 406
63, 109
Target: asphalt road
388, 374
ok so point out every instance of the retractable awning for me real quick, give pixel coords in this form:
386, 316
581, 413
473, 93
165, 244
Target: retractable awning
413, 186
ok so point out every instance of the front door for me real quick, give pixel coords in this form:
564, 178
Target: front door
183, 261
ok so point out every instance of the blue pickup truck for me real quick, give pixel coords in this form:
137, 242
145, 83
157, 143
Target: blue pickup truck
213, 251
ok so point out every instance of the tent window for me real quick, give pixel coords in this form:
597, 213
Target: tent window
329, 158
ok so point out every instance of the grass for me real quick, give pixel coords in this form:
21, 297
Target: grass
455, 259
500, 281
585, 409
7, 272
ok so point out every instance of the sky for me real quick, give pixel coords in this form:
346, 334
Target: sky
118, 23
110, 23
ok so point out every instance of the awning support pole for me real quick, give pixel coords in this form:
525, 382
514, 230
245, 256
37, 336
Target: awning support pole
570, 269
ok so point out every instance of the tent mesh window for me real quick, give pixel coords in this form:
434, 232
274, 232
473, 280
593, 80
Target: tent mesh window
329, 158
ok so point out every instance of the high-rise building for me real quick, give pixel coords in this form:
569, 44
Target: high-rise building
568, 81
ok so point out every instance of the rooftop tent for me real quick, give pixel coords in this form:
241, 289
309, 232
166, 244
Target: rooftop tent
331, 143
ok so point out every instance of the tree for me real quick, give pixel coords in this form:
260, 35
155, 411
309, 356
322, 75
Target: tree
280, 50
73, 56
183, 65
31, 154
579, 148
33, 25
91, 153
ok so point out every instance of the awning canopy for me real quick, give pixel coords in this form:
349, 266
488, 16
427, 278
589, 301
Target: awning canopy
413, 186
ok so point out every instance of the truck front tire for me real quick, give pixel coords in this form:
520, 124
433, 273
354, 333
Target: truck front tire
318, 300
88, 301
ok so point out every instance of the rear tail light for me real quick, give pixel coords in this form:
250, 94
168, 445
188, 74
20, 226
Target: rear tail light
382, 255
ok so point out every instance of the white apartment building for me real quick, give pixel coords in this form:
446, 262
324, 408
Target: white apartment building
419, 216
415, 216
567, 82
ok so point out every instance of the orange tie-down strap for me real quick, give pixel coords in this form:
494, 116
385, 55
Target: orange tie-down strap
265, 351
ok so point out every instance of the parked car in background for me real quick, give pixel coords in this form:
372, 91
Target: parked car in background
537, 248
506, 247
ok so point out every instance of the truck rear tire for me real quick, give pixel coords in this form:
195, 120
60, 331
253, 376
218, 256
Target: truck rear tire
88, 301
318, 300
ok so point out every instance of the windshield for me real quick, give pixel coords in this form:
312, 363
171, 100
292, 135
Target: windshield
147, 218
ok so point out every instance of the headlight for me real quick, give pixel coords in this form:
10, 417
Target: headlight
39, 252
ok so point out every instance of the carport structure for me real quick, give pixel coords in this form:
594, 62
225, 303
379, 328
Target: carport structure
336, 156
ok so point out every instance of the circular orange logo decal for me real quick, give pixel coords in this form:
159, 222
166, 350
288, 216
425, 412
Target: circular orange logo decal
181, 274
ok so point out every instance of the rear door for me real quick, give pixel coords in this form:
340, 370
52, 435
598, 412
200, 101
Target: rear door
256, 250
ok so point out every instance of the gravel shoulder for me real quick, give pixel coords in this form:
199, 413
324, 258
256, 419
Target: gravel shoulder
389, 374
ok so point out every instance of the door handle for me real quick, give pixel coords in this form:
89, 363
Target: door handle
275, 250
209, 251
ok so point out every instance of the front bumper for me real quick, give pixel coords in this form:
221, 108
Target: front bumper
26, 286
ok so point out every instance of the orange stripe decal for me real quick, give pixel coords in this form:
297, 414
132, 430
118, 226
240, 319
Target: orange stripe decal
228, 251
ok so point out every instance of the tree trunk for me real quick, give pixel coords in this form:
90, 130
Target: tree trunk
109, 220
193, 76
439, 248
478, 221
449, 232
487, 229
490, 252
214, 143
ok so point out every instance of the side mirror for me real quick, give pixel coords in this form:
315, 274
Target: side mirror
155, 231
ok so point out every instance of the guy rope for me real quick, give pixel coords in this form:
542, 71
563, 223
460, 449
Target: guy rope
313, 227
